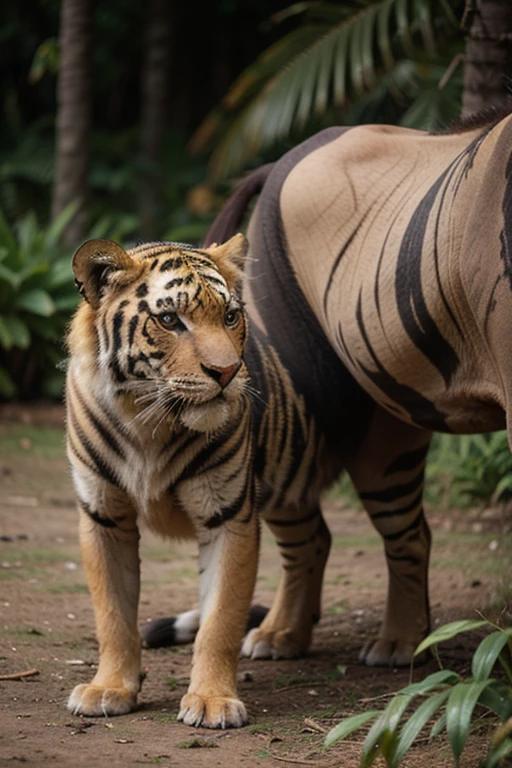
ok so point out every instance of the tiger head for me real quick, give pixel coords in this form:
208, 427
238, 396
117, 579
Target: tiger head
169, 327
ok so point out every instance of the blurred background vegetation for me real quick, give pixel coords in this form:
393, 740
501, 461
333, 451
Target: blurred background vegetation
129, 120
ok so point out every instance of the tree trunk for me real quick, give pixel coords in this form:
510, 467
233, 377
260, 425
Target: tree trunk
74, 88
488, 59
154, 98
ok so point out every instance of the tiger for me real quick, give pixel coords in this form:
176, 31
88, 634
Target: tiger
369, 314
379, 274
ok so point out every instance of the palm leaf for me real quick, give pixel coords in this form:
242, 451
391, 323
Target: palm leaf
314, 67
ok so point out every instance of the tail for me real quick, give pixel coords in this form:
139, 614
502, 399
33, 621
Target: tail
228, 221
181, 629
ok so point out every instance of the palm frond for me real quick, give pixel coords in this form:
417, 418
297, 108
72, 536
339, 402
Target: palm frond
338, 56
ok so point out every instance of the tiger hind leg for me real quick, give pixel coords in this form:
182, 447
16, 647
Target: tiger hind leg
304, 543
388, 473
182, 629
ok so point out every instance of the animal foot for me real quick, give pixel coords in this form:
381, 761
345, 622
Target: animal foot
95, 701
212, 711
391, 653
280, 644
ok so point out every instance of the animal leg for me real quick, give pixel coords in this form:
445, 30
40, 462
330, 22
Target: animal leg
304, 543
109, 540
388, 473
228, 558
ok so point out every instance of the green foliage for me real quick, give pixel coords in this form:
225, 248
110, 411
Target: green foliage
469, 469
339, 55
37, 296
446, 696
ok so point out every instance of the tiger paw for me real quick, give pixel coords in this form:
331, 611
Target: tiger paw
281, 644
391, 653
212, 711
95, 701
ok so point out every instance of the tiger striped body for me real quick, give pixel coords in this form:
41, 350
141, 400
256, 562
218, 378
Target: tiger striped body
159, 433
380, 272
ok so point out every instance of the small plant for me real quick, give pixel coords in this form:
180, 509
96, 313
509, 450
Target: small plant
37, 296
469, 469
446, 696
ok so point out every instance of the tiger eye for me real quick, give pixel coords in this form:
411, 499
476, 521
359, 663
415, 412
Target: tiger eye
171, 322
232, 318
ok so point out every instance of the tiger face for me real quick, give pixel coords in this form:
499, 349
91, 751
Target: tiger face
170, 327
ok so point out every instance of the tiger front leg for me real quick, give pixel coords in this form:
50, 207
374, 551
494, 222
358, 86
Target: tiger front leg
304, 542
228, 557
109, 541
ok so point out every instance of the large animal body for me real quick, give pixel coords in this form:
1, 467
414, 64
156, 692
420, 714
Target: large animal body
378, 290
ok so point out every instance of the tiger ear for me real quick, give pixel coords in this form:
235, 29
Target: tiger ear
93, 262
229, 258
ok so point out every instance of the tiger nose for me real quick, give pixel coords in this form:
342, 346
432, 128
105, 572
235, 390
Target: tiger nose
222, 375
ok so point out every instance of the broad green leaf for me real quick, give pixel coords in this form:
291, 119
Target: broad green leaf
459, 709
349, 725
11, 277
29, 237
7, 386
498, 699
18, 331
486, 654
442, 676
447, 632
53, 233
439, 726
414, 725
36, 301
67, 302
381, 738
59, 274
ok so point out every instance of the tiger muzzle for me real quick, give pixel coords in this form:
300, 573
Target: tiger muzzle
222, 375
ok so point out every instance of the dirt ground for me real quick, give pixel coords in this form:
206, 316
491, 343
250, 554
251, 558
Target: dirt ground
46, 624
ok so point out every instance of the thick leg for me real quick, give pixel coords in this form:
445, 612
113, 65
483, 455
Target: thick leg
109, 541
388, 473
304, 542
228, 559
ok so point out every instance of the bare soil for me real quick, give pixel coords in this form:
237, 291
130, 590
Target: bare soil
46, 624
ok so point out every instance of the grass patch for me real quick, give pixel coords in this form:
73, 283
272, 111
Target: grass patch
34, 556
19, 440
196, 744
165, 717
357, 541
77, 588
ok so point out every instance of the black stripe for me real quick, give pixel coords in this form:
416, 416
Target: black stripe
104, 433
400, 511
298, 444
79, 453
106, 522
229, 512
421, 410
386, 495
132, 326
339, 257
414, 524
294, 544
412, 307
99, 464
407, 461
295, 521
